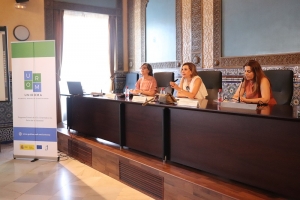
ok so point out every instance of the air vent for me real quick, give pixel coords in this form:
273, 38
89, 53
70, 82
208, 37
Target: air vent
142, 180
80, 152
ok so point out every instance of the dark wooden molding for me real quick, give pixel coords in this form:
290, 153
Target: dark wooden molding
217, 12
219, 61
51, 5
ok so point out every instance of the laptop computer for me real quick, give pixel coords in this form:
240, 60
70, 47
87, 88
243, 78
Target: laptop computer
75, 88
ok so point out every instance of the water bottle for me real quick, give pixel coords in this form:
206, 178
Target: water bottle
162, 91
127, 93
220, 95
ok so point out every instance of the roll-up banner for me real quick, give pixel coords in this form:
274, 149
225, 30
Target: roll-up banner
34, 99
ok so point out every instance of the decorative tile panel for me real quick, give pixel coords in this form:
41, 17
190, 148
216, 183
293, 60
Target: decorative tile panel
186, 31
207, 58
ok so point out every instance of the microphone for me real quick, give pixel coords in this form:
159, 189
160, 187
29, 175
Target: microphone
239, 99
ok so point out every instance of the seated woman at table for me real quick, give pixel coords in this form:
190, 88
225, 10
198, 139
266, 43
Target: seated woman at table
191, 85
256, 87
147, 84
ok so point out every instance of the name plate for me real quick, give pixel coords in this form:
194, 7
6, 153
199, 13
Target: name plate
187, 102
140, 99
238, 105
110, 96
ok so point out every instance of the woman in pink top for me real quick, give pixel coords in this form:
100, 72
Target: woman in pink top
256, 86
147, 84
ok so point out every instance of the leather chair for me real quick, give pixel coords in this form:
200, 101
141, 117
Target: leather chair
282, 85
212, 81
131, 79
163, 81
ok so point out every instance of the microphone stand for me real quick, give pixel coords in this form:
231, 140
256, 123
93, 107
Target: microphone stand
239, 99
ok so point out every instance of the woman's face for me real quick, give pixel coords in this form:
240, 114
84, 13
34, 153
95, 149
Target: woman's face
144, 70
186, 72
249, 74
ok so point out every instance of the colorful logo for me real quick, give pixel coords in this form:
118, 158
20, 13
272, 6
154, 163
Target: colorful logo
33, 81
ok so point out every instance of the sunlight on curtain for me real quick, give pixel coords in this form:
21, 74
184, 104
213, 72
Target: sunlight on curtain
86, 50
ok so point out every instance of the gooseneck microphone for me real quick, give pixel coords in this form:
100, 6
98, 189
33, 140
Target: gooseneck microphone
239, 99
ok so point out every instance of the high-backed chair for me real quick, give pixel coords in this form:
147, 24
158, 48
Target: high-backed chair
282, 85
212, 81
131, 79
163, 81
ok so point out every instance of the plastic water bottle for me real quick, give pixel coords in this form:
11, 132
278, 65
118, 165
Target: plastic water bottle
162, 91
220, 95
127, 93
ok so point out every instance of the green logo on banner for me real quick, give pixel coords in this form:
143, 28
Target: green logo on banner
33, 81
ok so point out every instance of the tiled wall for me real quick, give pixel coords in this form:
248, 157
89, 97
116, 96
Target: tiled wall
6, 121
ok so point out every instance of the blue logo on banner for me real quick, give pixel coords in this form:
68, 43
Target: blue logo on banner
35, 134
39, 147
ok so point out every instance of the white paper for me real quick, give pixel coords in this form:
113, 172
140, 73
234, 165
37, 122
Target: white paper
141, 99
110, 95
187, 102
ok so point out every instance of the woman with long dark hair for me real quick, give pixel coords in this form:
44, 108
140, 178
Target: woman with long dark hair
256, 87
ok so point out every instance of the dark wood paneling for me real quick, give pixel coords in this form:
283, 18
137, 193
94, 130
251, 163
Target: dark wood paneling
263, 152
179, 182
96, 117
144, 128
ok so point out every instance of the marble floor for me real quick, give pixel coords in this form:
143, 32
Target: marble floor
68, 179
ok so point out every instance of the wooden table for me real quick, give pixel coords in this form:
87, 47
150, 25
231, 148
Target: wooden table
259, 148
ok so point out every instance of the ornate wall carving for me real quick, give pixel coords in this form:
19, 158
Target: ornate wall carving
178, 31
131, 38
137, 33
196, 29
186, 31
207, 57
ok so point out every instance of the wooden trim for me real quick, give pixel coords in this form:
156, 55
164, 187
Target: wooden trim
219, 61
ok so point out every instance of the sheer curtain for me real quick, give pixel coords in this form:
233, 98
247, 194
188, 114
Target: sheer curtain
86, 50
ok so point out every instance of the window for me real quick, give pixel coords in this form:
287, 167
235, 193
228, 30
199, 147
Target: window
86, 50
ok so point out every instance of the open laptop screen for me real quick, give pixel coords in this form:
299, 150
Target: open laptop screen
75, 88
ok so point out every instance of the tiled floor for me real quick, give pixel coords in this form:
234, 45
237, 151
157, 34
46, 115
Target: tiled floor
68, 179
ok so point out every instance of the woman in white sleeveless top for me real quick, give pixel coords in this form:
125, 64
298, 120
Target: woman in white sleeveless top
191, 85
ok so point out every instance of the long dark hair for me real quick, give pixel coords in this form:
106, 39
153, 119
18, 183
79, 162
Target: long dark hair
192, 67
149, 67
258, 74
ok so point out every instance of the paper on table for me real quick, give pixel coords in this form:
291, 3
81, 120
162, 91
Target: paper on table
187, 102
110, 95
141, 99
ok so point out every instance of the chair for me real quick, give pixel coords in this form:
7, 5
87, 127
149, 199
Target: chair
212, 81
131, 79
163, 81
282, 85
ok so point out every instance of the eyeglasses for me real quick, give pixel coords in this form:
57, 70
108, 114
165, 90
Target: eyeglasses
187, 88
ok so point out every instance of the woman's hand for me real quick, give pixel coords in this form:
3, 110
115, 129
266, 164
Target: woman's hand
174, 85
135, 91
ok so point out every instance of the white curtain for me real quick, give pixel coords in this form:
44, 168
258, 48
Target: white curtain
86, 50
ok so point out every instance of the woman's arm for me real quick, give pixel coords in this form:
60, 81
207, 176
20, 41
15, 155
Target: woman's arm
239, 92
183, 93
265, 89
176, 87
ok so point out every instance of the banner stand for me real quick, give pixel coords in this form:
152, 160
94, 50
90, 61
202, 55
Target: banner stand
34, 100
